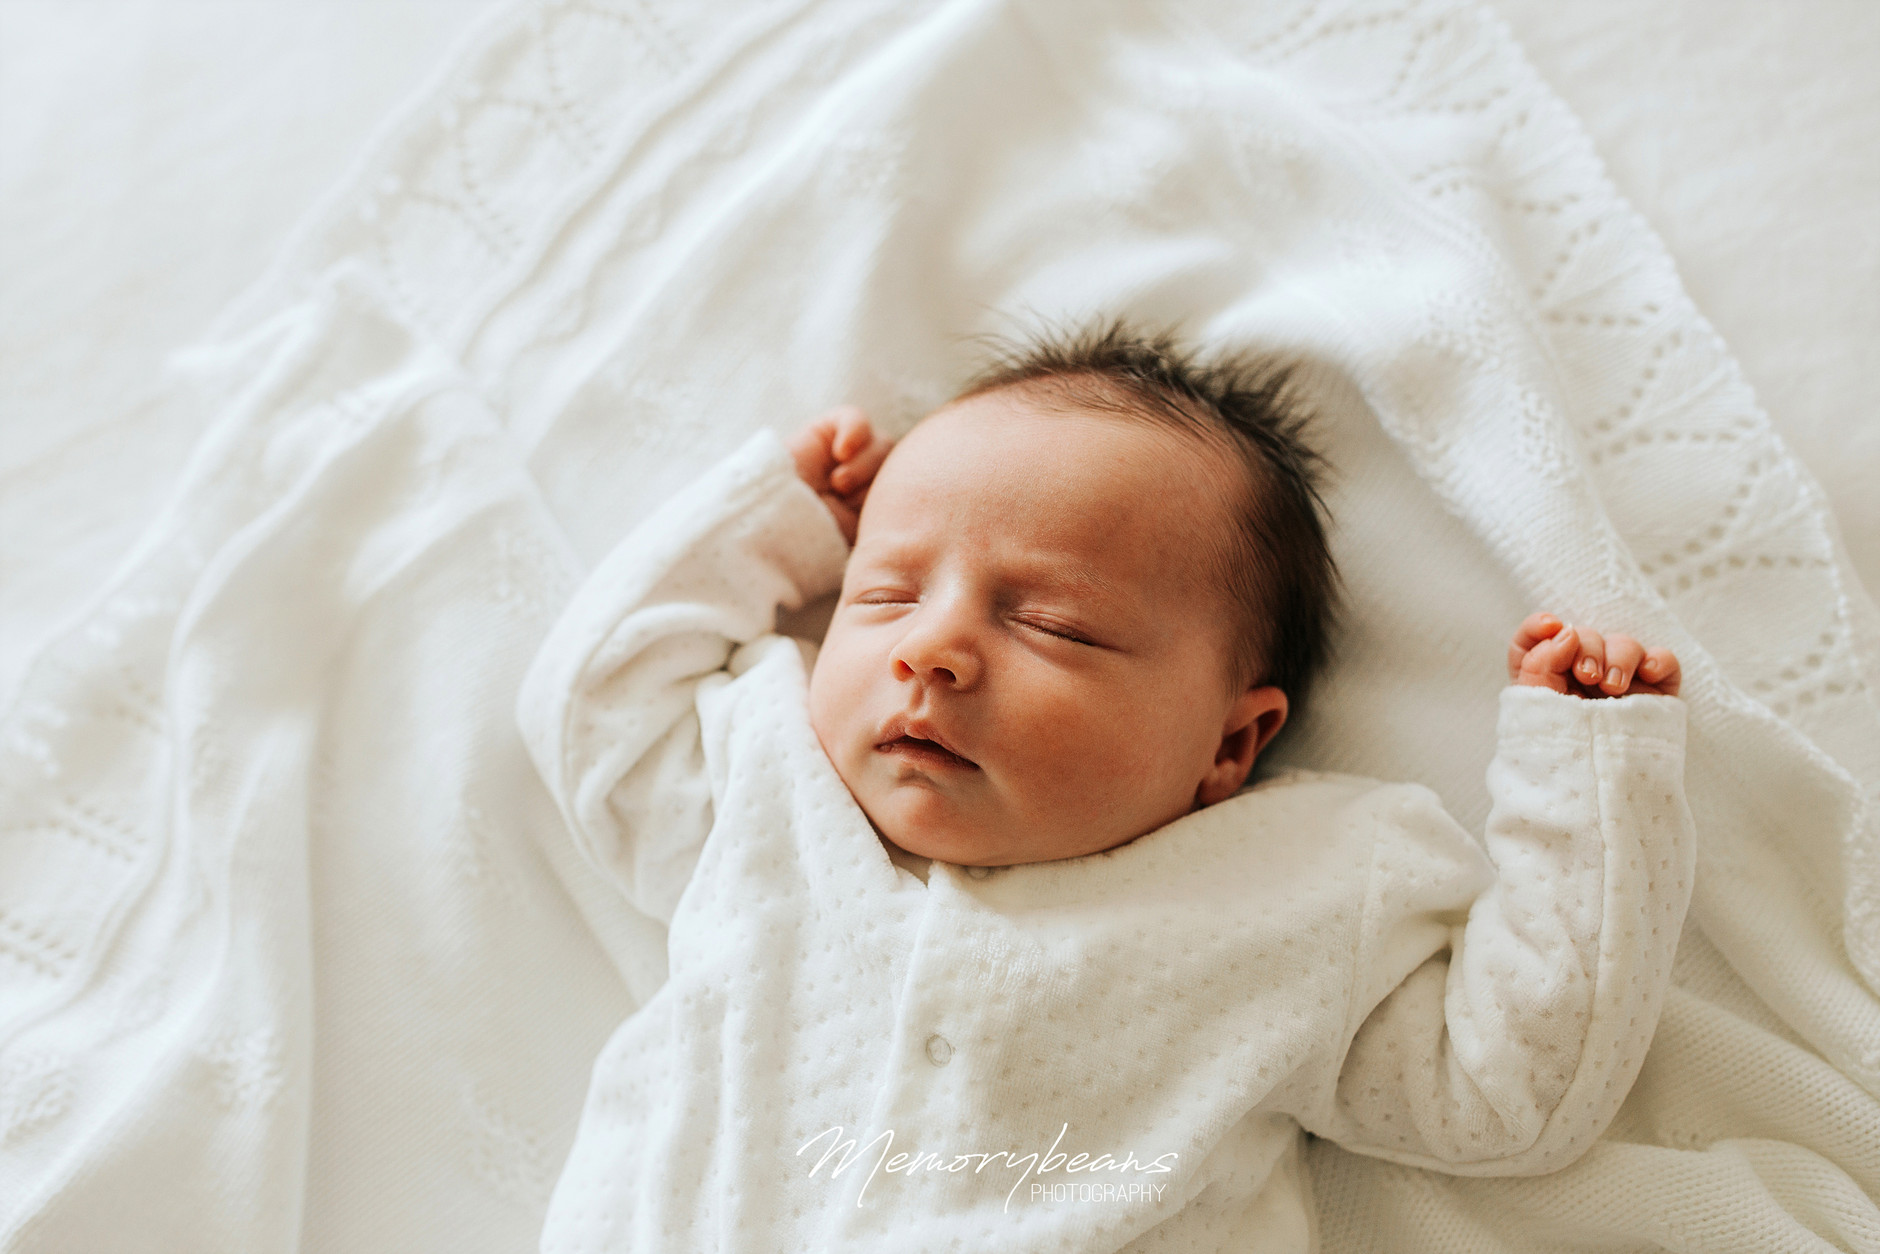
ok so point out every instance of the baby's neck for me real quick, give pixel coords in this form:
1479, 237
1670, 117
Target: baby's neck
912, 863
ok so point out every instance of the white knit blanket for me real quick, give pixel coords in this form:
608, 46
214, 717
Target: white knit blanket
294, 949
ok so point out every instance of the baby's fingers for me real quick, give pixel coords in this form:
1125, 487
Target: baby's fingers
1660, 673
1591, 667
1623, 655
1533, 629
813, 450
1549, 664
852, 431
858, 471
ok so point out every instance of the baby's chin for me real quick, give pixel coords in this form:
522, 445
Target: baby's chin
940, 844
938, 824
942, 841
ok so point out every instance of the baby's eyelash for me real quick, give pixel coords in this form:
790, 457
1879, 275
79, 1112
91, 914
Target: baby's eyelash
1059, 632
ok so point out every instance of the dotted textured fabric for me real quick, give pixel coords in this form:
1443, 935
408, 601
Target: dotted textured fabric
298, 950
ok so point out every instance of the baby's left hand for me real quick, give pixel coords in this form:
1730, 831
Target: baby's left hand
1579, 662
837, 456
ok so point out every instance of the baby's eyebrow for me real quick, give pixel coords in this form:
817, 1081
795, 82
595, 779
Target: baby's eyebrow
1079, 578
1076, 578
888, 553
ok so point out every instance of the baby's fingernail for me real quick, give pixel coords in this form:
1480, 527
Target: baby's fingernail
1614, 678
1589, 668
1649, 664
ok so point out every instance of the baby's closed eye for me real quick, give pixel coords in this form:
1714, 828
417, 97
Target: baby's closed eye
1052, 627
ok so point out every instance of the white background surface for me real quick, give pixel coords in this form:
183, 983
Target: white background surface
153, 158
1748, 134
154, 155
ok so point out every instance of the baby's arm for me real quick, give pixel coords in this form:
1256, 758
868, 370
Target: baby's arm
1503, 1043
609, 706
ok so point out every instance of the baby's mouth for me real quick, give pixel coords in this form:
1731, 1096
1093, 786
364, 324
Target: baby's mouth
925, 752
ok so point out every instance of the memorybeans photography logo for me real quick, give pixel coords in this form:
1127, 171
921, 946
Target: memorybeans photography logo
846, 1153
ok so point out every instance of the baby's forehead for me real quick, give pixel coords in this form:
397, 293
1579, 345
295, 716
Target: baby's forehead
1035, 443
1037, 417
1115, 497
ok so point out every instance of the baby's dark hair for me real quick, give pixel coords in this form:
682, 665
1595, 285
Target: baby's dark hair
1277, 567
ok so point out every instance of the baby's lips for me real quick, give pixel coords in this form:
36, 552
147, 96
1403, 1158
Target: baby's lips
918, 729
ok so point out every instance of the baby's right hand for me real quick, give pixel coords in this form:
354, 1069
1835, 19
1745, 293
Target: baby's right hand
837, 456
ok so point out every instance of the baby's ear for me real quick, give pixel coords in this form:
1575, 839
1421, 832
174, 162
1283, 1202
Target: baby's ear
1254, 719
1260, 713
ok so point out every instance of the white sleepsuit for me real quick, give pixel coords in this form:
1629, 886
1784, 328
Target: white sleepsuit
1320, 952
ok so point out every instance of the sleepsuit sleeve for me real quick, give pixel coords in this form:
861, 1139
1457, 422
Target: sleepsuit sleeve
1499, 1015
608, 708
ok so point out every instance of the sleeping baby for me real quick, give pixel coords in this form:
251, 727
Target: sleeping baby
978, 938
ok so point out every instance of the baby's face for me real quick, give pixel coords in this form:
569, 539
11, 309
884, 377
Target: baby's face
1029, 659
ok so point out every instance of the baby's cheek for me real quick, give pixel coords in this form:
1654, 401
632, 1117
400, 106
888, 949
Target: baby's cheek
817, 703
1093, 759
831, 703
1159, 766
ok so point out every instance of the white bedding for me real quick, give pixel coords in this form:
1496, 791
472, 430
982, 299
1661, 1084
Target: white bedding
358, 1059
1744, 132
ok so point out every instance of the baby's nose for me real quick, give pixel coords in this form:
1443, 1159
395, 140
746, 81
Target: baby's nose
939, 674
947, 660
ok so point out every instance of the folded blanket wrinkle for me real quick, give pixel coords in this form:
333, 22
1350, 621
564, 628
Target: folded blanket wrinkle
296, 947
